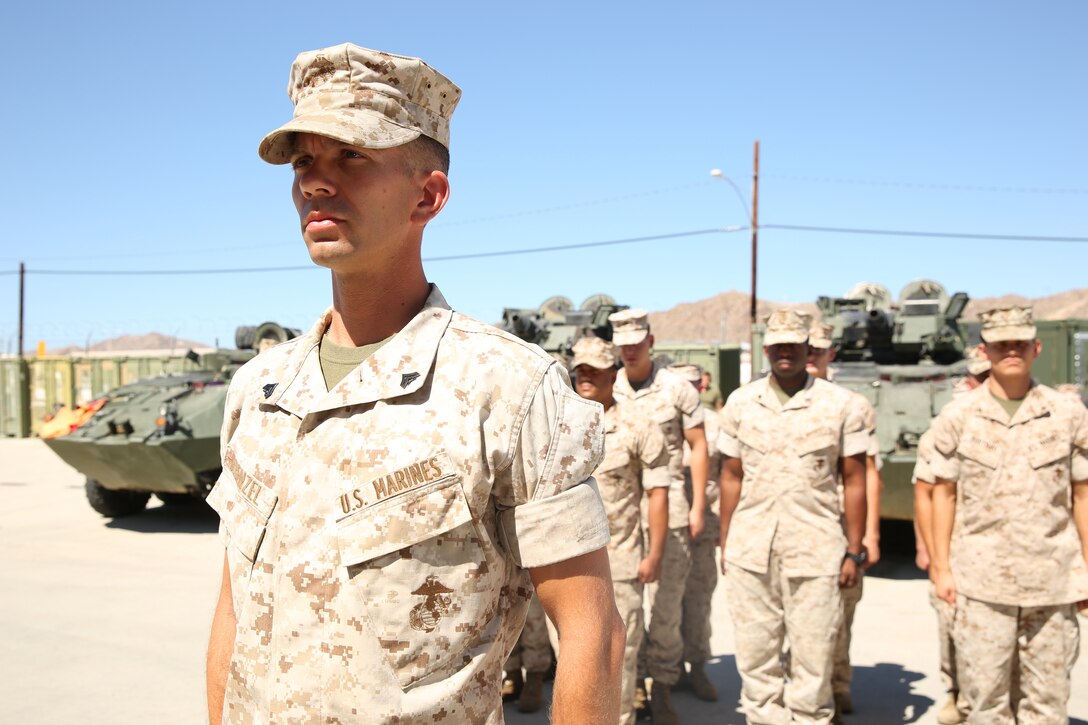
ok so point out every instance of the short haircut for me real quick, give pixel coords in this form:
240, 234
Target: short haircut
424, 154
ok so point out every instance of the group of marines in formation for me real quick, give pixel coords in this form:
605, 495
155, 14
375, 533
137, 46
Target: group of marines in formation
785, 479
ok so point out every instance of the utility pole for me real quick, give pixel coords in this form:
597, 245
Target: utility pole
755, 242
24, 367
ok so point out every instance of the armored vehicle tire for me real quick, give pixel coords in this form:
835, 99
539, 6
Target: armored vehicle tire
115, 504
178, 499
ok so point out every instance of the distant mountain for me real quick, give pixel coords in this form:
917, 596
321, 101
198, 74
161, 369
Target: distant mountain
127, 343
725, 318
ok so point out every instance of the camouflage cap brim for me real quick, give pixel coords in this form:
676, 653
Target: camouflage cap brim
784, 337
1009, 333
819, 343
355, 126
594, 361
978, 366
629, 337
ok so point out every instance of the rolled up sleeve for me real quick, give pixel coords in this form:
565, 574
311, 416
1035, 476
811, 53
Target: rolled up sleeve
1079, 467
727, 434
550, 510
855, 433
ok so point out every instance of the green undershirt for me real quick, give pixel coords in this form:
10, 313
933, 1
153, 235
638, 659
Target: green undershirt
1010, 406
782, 395
337, 361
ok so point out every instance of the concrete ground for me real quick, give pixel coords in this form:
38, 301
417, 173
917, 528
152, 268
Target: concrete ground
106, 622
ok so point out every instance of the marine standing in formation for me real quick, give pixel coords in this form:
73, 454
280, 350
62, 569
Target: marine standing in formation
821, 353
397, 480
695, 625
636, 462
674, 405
954, 710
1010, 530
785, 439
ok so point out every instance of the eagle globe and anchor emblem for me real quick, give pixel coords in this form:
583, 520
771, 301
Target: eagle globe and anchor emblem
426, 615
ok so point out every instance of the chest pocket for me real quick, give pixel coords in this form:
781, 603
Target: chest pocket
244, 506
1048, 446
418, 571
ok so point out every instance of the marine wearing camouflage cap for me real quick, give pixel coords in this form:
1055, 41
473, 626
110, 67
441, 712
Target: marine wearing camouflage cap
1007, 323
977, 362
364, 98
820, 335
629, 327
786, 326
595, 352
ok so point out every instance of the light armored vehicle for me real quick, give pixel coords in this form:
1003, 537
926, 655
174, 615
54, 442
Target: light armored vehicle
556, 325
160, 435
905, 355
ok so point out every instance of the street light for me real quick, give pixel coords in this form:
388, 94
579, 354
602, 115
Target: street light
753, 221
718, 174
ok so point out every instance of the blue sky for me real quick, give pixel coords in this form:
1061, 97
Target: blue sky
132, 132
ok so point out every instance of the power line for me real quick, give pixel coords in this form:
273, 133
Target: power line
934, 235
931, 185
588, 245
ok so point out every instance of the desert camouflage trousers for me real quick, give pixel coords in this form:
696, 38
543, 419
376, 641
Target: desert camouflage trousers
663, 646
990, 637
695, 627
947, 646
766, 609
629, 604
841, 672
533, 651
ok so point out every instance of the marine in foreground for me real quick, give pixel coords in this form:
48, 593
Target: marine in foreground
398, 480
1010, 530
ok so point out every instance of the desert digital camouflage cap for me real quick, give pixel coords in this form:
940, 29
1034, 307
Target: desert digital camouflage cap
365, 98
630, 326
1007, 323
820, 335
977, 362
595, 352
688, 371
786, 326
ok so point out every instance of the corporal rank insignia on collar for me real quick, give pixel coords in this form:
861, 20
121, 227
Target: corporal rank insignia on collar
268, 389
407, 379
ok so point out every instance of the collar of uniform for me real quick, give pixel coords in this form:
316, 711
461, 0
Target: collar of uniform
628, 389
402, 366
1034, 406
801, 399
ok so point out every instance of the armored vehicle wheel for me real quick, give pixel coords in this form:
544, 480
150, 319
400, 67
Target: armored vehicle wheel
178, 499
115, 504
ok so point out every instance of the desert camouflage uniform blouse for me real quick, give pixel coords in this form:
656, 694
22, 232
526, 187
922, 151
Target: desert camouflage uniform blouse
672, 403
378, 534
636, 458
790, 457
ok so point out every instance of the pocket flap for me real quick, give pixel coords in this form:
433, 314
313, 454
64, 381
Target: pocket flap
982, 451
1047, 449
244, 517
820, 439
400, 522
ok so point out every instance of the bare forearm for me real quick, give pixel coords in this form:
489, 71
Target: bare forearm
220, 649
855, 509
659, 522
577, 596
944, 515
1080, 514
874, 487
585, 691
730, 485
699, 464
923, 515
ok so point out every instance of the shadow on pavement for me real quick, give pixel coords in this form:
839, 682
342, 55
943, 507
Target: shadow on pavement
883, 693
195, 518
